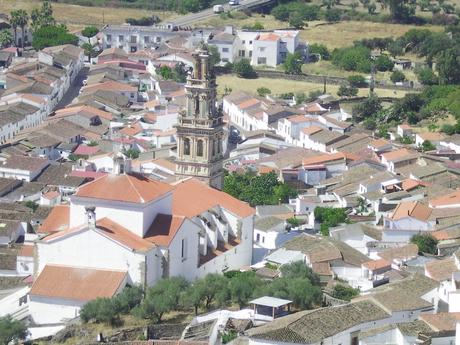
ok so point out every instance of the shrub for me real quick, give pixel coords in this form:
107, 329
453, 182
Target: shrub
319, 49
49, 36
352, 59
425, 243
397, 77
332, 15
344, 292
243, 69
383, 63
263, 91
357, 80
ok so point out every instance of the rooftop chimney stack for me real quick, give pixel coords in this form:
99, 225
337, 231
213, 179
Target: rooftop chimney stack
91, 216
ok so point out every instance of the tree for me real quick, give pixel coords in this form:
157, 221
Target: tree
299, 269
343, 292
161, 298
355, 58
11, 330
426, 243
49, 36
243, 69
448, 66
333, 15
347, 91
383, 63
401, 10
357, 81
242, 287
90, 31
21, 19
14, 22
302, 293
329, 217
397, 76
5, 38
42, 16
263, 91
144, 21
293, 63
368, 108
427, 146
101, 310
129, 298
330, 3
395, 48
319, 49
165, 72
214, 58
371, 8
131, 153
426, 76
89, 50
296, 20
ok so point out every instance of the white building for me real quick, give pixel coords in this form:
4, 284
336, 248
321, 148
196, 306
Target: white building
147, 229
22, 167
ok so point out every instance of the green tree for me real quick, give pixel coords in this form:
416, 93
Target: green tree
383, 63
214, 58
165, 72
49, 36
426, 76
131, 153
319, 49
347, 91
90, 31
396, 48
129, 298
448, 66
357, 80
263, 91
355, 58
163, 297
370, 107
243, 69
281, 13
329, 217
343, 292
42, 16
333, 15
296, 20
293, 63
427, 146
401, 10
302, 293
426, 243
242, 287
21, 20
11, 330
101, 310
299, 269
397, 76
14, 22
5, 38
283, 192
89, 50
371, 8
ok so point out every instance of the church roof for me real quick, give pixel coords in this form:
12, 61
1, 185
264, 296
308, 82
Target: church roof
128, 188
164, 229
193, 197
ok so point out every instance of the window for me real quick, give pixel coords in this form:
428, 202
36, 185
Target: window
241, 53
250, 53
225, 50
132, 95
146, 39
133, 39
199, 148
225, 60
121, 38
258, 238
109, 38
262, 61
187, 146
261, 49
133, 49
244, 42
250, 42
108, 46
158, 39
184, 249
263, 239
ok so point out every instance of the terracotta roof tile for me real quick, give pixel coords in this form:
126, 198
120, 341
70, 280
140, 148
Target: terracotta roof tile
397, 155
406, 252
441, 270
377, 264
81, 284
128, 188
163, 229
268, 37
324, 158
446, 200
412, 209
185, 202
311, 130
57, 220
441, 321
26, 250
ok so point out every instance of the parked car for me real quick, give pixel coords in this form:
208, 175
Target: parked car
234, 2
218, 8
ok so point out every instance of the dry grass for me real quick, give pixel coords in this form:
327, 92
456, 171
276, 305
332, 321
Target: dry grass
77, 17
240, 20
280, 86
342, 34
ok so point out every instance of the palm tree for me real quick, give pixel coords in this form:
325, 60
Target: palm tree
89, 50
22, 21
5, 38
14, 22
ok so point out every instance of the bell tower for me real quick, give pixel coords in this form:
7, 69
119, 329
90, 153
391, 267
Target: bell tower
200, 126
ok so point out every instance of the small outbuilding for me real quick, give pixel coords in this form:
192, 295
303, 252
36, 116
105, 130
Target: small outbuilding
270, 308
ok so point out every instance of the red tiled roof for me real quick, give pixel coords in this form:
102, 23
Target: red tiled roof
81, 284
129, 188
85, 150
163, 229
412, 209
57, 220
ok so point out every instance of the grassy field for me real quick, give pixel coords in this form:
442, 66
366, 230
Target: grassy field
77, 17
282, 86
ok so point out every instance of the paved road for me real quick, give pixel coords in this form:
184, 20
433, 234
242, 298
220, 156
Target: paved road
74, 89
195, 17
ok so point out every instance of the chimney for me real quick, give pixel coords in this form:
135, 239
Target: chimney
91, 216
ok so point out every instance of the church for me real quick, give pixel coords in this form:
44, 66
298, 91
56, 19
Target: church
126, 229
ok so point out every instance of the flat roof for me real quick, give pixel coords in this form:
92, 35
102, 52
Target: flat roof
268, 301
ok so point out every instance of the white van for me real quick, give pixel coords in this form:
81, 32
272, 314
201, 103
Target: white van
218, 8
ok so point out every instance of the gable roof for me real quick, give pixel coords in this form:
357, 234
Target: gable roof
405, 252
412, 209
57, 220
133, 188
446, 200
163, 229
81, 284
441, 270
185, 202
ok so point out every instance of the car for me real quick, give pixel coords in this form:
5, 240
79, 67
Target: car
218, 8
234, 2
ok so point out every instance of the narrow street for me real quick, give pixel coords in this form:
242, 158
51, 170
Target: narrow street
74, 89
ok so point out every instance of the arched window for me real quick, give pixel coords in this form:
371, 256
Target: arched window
187, 146
199, 148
